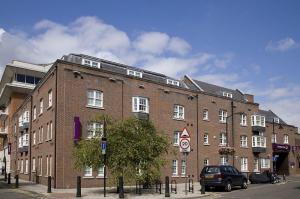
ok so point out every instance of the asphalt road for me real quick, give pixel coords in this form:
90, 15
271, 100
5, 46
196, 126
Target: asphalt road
290, 189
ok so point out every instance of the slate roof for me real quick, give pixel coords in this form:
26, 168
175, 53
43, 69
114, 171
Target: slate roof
122, 69
218, 90
270, 115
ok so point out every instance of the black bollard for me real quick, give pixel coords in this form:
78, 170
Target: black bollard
167, 188
78, 190
202, 185
5, 176
121, 187
49, 184
8, 179
17, 181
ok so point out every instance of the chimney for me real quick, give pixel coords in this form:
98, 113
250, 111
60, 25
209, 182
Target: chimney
249, 98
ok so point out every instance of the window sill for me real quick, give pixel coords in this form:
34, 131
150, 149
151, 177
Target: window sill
33, 171
88, 177
40, 114
242, 125
100, 177
223, 145
175, 176
206, 144
95, 107
222, 122
178, 119
244, 147
207, 120
49, 107
184, 176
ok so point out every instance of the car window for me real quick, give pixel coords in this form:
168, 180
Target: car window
212, 170
233, 170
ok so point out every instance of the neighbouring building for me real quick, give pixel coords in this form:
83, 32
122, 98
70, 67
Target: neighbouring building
226, 126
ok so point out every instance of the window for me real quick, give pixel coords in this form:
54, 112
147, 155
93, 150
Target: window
51, 130
27, 79
205, 137
176, 136
174, 167
255, 165
259, 141
41, 165
223, 160
222, 116
95, 129
34, 112
41, 105
243, 120
93, 64
244, 164
33, 164
173, 82
276, 120
227, 94
258, 120
39, 134
26, 117
140, 104
88, 171
50, 165
21, 121
47, 165
95, 98
42, 134
285, 139
50, 98
48, 132
243, 141
34, 138
223, 139
206, 162
22, 167
101, 171
205, 114
265, 163
274, 139
178, 112
135, 73
183, 167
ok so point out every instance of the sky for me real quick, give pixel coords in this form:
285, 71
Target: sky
253, 46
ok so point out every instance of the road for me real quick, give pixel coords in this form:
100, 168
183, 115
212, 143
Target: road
290, 189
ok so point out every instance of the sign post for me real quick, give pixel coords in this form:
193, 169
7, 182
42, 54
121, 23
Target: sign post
103, 148
185, 148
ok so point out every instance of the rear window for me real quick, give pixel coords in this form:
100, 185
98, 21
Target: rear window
211, 170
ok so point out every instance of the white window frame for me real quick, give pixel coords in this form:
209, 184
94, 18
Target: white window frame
206, 162
223, 160
174, 167
41, 106
205, 114
137, 106
222, 139
34, 112
51, 130
88, 171
178, 112
134, 73
22, 166
258, 120
259, 141
33, 164
94, 98
41, 166
243, 141
50, 166
256, 165
274, 138
94, 129
222, 116
276, 120
227, 94
243, 120
205, 139
26, 117
285, 139
21, 121
48, 132
173, 82
42, 133
176, 137
101, 171
244, 164
49, 98
47, 166
183, 168
34, 138
265, 163
88, 62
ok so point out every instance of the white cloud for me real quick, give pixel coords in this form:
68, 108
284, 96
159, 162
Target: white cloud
282, 45
2, 31
179, 46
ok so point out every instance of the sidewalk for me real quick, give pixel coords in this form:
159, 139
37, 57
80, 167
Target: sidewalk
93, 193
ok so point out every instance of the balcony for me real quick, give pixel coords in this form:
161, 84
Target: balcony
259, 144
24, 121
23, 143
258, 123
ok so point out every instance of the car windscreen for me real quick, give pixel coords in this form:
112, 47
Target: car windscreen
212, 170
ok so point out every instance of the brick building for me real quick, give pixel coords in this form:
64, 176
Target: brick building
226, 126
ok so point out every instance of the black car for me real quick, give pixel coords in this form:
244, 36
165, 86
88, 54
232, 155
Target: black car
223, 176
264, 177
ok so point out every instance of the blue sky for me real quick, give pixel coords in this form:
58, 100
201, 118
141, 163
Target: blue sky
250, 45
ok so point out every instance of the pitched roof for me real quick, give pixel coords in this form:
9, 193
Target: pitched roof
270, 115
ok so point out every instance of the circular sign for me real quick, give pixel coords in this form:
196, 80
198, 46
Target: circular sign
184, 143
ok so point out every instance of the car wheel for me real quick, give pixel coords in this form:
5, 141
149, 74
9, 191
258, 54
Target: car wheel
244, 185
228, 186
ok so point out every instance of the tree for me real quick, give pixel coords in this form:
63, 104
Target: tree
135, 150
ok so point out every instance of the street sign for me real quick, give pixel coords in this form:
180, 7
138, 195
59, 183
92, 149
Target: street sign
103, 146
184, 141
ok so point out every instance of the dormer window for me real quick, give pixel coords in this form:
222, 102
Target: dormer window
227, 94
93, 64
173, 82
276, 120
135, 73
